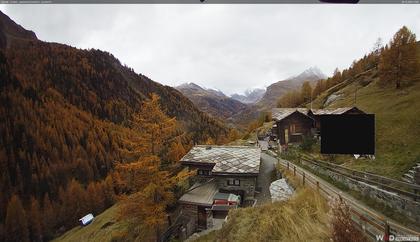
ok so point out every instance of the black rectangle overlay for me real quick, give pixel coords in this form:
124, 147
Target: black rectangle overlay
348, 134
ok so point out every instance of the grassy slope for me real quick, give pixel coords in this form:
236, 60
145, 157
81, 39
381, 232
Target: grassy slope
104, 228
397, 124
303, 218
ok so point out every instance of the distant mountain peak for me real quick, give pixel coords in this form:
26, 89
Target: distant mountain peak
189, 85
312, 73
250, 95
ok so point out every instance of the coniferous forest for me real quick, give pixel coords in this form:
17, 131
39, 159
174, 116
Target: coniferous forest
66, 117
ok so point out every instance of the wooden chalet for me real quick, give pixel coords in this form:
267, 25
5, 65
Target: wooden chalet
316, 113
291, 124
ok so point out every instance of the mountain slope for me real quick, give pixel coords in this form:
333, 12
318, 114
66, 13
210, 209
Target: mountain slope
397, 122
211, 101
62, 113
278, 89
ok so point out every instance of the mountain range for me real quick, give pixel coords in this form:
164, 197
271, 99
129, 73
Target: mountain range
213, 102
278, 89
250, 95
242, 108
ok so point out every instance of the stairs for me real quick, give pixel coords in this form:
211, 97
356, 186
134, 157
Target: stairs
409, 175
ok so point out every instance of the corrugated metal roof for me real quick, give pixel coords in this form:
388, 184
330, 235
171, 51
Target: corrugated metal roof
281, 113
201, 194
331, 110
227, 159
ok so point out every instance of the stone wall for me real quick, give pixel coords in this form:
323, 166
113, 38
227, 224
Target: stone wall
403, 205
190, 211
247, 184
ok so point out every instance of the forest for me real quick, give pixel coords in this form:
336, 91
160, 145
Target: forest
68, 123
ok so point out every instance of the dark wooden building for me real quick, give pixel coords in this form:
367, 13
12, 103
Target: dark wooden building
292, 124
316, 113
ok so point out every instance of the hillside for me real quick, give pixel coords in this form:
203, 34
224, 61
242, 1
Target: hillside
63, 111
211, 101
105, 227
397, 122
396, 119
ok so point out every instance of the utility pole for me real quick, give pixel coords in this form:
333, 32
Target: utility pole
355, 98
311, 98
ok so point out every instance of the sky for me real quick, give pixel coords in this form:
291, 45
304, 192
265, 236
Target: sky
227, 47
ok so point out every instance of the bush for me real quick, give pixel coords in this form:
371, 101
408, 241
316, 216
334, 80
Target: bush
343, 227
308, 143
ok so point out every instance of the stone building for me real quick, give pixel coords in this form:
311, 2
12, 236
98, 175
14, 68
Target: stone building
223, 173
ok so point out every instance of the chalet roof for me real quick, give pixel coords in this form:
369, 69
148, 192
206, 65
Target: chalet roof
227, 159
281, 113
200, 194
331, 110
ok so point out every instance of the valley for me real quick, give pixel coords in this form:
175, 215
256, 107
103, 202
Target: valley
82, 133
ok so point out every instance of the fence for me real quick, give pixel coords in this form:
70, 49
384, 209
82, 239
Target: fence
408, 190
369, 222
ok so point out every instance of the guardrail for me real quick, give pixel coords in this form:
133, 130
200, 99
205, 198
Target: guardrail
369, 222
402, 188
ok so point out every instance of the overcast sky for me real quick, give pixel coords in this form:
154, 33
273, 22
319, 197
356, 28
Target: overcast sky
228, 47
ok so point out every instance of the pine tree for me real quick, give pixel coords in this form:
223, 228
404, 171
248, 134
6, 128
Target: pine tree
155, 127
399, 62
48, 217
109, 193
150, 186
16, 225
318, 89
306, 92
176, 151
35, 222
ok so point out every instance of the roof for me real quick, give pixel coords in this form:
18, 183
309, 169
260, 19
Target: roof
226, 159
332, 110
281, 113
200, 194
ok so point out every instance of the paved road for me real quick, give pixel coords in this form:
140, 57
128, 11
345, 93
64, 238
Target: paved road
267, 166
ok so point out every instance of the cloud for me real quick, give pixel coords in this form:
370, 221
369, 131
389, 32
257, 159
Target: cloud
228, 47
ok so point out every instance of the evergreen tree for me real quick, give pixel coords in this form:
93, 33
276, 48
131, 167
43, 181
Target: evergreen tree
150, 186
48, 217
306, 92
399, 62
35, 222
16, 225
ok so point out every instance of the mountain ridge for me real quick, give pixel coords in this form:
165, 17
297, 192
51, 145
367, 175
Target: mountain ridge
249, 96
278, 89
211, 101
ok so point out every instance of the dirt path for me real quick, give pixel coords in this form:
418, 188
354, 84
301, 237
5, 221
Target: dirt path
267, 166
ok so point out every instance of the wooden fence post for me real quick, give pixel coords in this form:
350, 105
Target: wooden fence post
303, 178
317, 185
287, 165
294, 170
387, 232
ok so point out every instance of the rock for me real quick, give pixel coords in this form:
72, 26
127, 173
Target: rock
280, 190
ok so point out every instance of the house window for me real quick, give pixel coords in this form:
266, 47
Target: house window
234, 182
292, 128
203, 172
